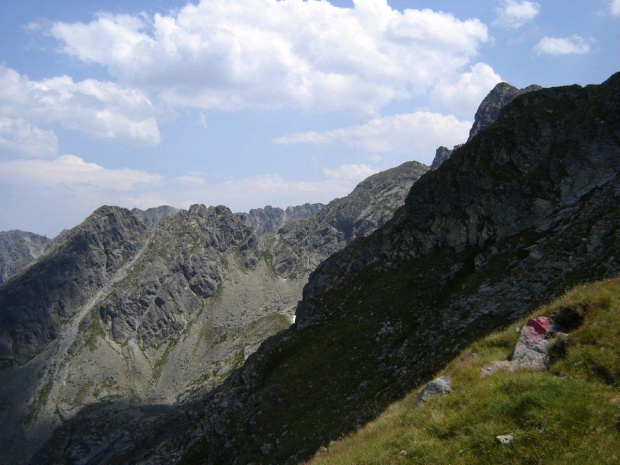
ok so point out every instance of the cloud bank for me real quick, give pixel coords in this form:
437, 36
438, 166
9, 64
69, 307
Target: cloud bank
267, 53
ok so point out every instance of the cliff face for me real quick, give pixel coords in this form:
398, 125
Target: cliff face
17, 250
523, 211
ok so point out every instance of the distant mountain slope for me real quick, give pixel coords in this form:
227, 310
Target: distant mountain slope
152, 216
302, 245
518, 215
271, 219
18, 249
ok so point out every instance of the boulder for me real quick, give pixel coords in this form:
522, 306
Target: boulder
437, 387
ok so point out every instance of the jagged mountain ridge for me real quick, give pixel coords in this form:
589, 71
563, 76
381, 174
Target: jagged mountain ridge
270, 219
17, 250
301, 245
524, 211
159, 319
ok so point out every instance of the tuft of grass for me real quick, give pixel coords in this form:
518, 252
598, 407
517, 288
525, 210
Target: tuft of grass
568, 414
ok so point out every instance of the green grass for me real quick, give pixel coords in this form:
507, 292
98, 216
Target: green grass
569, 414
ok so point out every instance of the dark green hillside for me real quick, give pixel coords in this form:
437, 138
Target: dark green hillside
568, 414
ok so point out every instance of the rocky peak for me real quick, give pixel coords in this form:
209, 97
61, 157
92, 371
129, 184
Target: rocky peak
490, 108
561, 143
488, 112
57, 285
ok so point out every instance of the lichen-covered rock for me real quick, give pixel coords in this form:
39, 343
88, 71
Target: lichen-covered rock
437, 387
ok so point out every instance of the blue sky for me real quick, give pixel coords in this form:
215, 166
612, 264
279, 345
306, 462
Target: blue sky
248, 103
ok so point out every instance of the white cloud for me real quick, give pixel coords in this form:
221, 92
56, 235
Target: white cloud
416, 134
614, 7
268, 53
353, 173
73, 172
515, 13
563, 45
101, 109
20, 138
463, 95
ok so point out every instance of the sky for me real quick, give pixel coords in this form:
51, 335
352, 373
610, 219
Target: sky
247, 103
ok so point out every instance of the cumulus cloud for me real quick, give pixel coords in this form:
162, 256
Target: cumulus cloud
575, 45
101, 109
515, 13
22, 139
269, 53
416, 134
614, 7
464, 94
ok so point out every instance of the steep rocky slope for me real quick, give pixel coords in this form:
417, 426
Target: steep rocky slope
17, 250
522, 212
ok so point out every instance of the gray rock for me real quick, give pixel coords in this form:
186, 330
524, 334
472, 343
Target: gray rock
437, 387
441, 155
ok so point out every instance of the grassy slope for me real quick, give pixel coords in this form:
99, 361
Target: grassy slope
568, 414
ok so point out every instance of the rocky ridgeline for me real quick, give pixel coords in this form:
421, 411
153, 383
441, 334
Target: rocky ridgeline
17, 250
152, 216
271, 219
525, 210
488, 112
301, 245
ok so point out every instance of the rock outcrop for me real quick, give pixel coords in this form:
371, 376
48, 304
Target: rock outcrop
17, 250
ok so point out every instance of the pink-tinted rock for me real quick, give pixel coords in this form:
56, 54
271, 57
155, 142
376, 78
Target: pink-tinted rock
539, 324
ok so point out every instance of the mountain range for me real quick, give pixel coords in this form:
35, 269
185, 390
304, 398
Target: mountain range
166, 337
